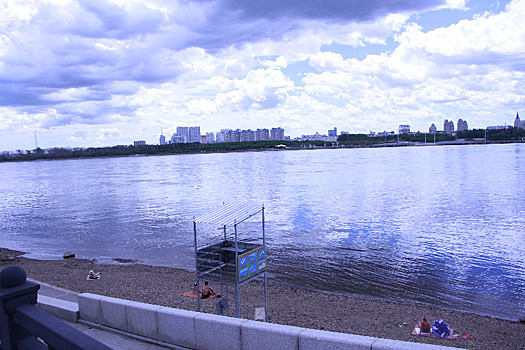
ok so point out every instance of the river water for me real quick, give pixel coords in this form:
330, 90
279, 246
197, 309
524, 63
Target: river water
439, 225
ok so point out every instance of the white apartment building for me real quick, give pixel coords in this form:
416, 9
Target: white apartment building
448, 127
182, 134
462, 125
262, 135
247, 135
222, 135
210, 137
277, 134
194, 134
317, 137
187, 134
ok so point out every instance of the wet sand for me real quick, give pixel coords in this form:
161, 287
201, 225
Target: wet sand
286, 305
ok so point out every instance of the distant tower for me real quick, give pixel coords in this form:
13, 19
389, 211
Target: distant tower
162, 139
448, 127
462, 125
432, 129
36, 141
517, 122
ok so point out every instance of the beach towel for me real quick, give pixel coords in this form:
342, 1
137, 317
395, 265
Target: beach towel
417, 331
194, 295
440, 329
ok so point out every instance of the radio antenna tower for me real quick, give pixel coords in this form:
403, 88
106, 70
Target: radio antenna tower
36, 140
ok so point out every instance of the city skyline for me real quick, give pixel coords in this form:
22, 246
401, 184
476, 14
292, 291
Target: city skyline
90, 74
182, 135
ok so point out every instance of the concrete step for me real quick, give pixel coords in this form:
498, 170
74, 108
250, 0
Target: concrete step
59, 308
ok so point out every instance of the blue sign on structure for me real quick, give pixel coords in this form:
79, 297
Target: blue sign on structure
252, 263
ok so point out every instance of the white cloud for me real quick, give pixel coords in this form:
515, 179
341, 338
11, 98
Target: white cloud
137, 67
456, 4
498, 34
108, 134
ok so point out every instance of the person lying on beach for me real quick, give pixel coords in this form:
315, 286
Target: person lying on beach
93, 276
207, 291
425, 326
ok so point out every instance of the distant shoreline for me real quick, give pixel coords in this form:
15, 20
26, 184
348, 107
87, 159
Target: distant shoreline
308, 146
288, 305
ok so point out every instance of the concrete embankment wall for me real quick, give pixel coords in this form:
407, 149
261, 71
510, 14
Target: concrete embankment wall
202, 331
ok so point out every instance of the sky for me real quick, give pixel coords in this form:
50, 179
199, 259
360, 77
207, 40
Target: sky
92, 73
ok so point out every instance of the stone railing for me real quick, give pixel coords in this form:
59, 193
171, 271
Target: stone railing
202, 331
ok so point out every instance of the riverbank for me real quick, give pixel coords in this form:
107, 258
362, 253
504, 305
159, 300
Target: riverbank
286, 305
244, 146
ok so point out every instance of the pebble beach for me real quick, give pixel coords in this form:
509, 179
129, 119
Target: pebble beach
289, 305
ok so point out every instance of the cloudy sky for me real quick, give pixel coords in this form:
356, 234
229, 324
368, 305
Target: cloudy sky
106, 72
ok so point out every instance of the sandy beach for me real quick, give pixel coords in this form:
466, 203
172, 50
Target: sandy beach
286, 305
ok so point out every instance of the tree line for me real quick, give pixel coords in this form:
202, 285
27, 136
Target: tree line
346, 140
131, 150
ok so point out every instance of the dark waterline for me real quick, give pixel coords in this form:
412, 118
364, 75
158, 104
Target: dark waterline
437, 225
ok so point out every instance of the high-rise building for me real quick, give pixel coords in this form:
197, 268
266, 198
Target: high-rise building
277, 134
139, 143
162, 139
448, 127
194, 134
210, 137
262, 135
183, 134
247, 135
235, 135
175, 138
332, 132
462, 125
432, 129
187, 134
221, 135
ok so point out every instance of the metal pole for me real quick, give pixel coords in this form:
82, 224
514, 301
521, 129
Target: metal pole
237, 297
264, 235
265, 278
224, 228
196, 267
265, 297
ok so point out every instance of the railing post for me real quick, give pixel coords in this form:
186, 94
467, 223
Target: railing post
15, 291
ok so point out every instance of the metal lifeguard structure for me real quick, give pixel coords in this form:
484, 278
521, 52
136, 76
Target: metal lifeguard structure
228, 260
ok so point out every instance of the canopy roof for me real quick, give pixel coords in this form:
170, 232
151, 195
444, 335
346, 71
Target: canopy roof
230, 214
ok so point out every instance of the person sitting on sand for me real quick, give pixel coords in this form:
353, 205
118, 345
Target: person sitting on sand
195, 288
207, 291
425, 326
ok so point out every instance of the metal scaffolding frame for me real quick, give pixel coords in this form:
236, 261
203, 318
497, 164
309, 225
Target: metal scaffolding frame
221, 262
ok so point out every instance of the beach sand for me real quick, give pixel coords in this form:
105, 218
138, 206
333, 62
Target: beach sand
286, 305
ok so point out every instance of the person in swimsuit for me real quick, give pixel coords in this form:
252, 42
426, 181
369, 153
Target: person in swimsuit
425, 326
207, 291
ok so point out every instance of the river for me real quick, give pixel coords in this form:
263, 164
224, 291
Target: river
439, 225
